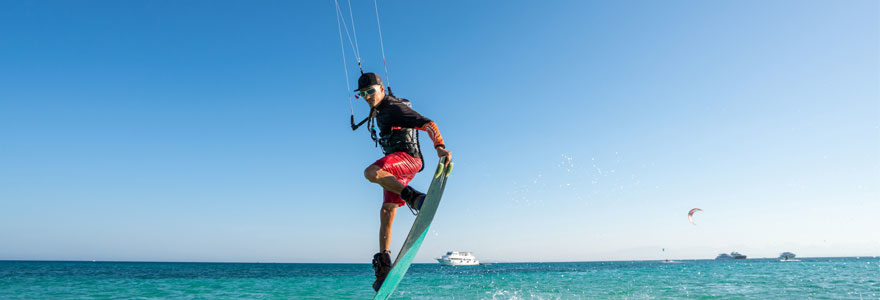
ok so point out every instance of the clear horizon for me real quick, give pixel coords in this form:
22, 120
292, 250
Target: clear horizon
367, 263
581, 131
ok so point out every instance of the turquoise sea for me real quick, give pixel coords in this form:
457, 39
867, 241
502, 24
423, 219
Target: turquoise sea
817, 278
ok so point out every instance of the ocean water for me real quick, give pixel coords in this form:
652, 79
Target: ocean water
816, 278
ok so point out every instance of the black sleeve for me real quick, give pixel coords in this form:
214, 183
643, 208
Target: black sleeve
406, 117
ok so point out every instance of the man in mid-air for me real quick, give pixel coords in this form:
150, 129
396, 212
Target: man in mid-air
397, 122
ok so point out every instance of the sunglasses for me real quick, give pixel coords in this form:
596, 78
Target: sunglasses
367, 92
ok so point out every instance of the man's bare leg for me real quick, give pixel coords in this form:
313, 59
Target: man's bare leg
386, 219
375, 174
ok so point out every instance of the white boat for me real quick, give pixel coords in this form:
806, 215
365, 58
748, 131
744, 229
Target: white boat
456, 258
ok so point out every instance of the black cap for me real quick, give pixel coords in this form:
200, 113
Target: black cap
367, 80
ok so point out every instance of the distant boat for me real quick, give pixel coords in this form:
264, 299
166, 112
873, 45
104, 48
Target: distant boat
732, 255
456, 258
787, 256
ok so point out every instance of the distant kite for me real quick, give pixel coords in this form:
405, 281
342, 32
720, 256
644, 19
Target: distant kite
691, 215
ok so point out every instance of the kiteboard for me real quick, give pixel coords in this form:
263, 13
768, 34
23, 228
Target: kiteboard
418, 232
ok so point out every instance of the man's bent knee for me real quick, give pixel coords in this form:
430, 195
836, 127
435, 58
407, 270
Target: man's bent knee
372, 173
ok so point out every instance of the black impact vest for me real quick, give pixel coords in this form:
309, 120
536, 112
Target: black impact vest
397, 122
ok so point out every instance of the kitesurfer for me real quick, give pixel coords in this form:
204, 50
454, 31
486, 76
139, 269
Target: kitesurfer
397, 123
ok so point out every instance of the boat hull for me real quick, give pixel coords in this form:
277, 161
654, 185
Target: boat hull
456, 263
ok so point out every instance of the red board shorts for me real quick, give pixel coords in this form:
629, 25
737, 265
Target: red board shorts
404, 167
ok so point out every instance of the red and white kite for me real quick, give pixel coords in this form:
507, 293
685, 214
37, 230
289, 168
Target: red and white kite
691, 215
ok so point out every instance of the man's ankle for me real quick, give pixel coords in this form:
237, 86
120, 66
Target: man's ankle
408, 193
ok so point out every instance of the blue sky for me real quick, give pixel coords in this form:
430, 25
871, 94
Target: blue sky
218, 130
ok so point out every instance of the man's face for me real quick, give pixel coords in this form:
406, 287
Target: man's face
373, 94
